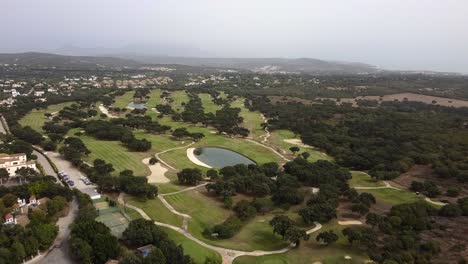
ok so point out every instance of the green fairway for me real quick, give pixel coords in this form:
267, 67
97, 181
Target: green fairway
123, 100
278, 137
191, 248
157, 211
310, 252
252, 120
180, 98
114, 152
393, 196
207, 101
207, 212
154, 98
36, 118
362, 179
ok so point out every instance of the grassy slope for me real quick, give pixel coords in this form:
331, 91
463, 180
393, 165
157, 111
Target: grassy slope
207, 212
208, 104
179, 98
311, 251
36, 119
277, 139
394, 197
362, 179
252, 120
123, 100
154, 99
157, 211
191, 248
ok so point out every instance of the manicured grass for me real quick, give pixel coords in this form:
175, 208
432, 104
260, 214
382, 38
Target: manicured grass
114, 152
123, 100
132, 214
252, 120
36, 118
393, 196
206, 212
207, 101
179, 98
362, 179
311, 251
277, 140
157, 211
169, 187
158, 142
154, 99
191, 248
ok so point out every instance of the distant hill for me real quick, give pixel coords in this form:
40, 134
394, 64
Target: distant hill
264, 65
54, 60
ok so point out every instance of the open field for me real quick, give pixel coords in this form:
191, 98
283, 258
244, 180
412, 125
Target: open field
154, 98
252, 120
362, 179
207, 211
157, 211
311, 252
180, 98
191, 248
208, 104
277, 140
36, 119
123, 100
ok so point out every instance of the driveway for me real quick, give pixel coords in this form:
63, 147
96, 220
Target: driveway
61, 254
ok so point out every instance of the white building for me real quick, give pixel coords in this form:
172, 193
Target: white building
15, 161
39, 93
10, 219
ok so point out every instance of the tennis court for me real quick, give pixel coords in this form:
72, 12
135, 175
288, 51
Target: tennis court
112, 218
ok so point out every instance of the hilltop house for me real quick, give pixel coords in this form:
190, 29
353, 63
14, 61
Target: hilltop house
10, 219
15, 161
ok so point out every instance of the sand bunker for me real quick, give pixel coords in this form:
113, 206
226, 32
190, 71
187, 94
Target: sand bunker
157, 172
106, 112
350, 222
298, 142
193, 158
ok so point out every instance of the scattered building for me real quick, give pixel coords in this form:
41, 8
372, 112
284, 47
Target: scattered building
145, 250
10, 219
14, 162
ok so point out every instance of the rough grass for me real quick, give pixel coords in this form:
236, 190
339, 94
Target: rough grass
191, 248
123, 100
36, 118
207, 101
311, 251
157, 211
277, 140
362, 179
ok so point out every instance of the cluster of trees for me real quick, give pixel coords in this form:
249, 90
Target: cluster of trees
100, 173
104, 130
428, 188
395, 237
190, 176
182, 132
387, 140
455, 210
284, 226
142, 122
91, 241
143, 232
74, 150
18, 242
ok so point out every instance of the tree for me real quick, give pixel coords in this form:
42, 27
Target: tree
295, 235
305, 155
281, 224
17, 252
244, 210
294, 149
4, 175
180, 133
153, 161
56, 205
212, 174
81, 250
190, 176
450, 210
155, 257
327, 237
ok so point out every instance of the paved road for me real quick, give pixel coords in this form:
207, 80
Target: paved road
45, 164
61, 255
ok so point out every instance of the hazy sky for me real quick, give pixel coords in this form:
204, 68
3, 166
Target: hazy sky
401, 34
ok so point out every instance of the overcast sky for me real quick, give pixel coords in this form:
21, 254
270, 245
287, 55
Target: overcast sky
396, 34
